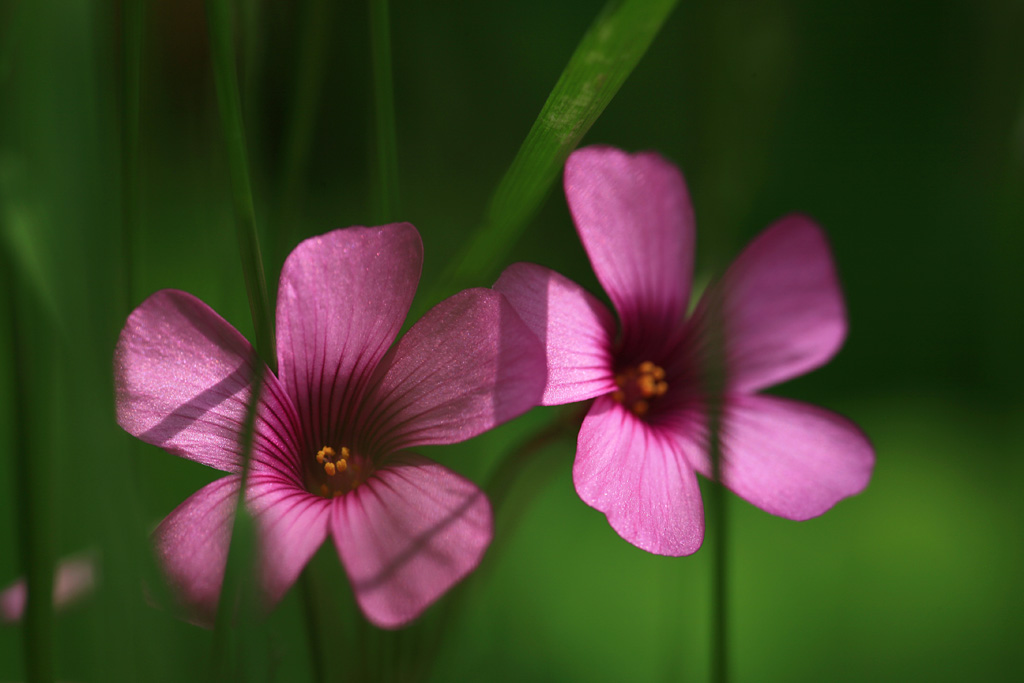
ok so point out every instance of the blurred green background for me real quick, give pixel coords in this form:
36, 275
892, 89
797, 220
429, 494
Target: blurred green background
898, 125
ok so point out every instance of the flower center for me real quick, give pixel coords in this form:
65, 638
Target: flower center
638, 385
341, 472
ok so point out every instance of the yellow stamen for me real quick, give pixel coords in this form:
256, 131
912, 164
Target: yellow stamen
637, 385
332, 461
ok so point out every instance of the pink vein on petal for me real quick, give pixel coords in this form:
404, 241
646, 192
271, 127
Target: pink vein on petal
183, 379
783, 309
788, 458
407, 535
341, 301
468, 365
634, 217
575, 328
638, 476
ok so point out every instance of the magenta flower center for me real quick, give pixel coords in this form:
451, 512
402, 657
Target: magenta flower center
639, 385
337, 472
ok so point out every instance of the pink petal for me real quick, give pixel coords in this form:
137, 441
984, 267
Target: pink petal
183, 376
74, 578
783, 308
192, 546
192, 542
575, 328
639, 477
468, 365
408, 535
791, 459
292, 527
634, 217
342, 298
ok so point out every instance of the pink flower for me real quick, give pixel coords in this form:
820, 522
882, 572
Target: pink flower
73, 579
779, 313
332, 429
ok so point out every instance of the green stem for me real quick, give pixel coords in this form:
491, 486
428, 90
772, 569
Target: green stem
714, 388
30, 484
237, 588
226, 81
386, 194
317, 22
517, 460
307, 587
132, 21
717, 511
236, 591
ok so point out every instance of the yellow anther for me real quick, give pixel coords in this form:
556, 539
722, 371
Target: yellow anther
324, 490
341, 466
330, 469
345, 453
646, 384
325, 453
638, 384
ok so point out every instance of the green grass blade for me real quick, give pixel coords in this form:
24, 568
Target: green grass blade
236, 609
385, 193
318, 23
605, 57
32, 398
132, 22
234, 648
226, 80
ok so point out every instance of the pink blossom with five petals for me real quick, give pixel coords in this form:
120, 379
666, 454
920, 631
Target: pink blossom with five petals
330, 453
778, 312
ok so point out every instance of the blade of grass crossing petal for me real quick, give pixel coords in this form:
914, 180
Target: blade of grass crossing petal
226, 81
234, 650
32, 392
604, 58
236, 609
385, 193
